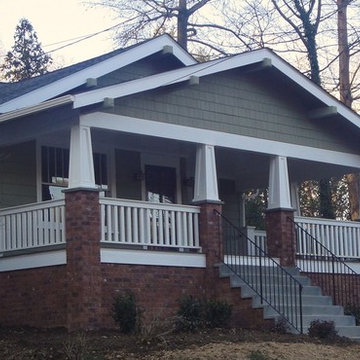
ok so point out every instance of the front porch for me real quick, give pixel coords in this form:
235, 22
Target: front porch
142, 225
114, 203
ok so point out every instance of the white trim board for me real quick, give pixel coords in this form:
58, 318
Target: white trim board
99, 69
152, 258
212, 67
202, 136
32, 261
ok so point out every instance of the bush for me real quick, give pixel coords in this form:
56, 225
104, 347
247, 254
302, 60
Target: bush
322, 329
281, 326
195, 313
190, 313
216, 313
125, 313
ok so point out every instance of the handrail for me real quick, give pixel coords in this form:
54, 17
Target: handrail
265, 276
326, 269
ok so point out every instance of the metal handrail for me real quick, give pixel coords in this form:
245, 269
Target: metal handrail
325, 269
263, 274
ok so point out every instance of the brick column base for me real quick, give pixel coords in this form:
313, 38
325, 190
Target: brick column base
211, 233
83, 268
280, 235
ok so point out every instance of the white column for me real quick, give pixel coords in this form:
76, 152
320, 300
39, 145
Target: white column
295, 201
81, 167
279, 188
206, 187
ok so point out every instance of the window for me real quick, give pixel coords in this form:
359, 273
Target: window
160, 183
55, 171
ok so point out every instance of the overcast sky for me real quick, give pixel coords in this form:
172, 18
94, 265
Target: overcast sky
56, 21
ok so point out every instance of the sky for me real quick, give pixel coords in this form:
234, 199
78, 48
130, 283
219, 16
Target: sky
56, 21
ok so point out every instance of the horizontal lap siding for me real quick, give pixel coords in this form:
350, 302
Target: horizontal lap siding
237, 104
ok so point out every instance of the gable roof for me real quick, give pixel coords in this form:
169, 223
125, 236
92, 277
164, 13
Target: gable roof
265, 56
63, 80
32, 91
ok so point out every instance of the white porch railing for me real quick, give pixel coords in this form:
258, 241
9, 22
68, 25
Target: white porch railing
32, 225
130, 222
258, 237
341, 237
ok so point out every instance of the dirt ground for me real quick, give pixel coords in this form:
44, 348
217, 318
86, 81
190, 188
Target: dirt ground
32, 344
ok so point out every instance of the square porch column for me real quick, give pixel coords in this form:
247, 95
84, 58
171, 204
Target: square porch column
207, 197
82, 213
280, 232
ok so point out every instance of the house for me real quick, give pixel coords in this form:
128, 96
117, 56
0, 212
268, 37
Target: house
116, 172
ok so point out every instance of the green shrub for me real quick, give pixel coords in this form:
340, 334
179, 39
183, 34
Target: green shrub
281, 326
322, 329
216, 313
195, 313
125, 313
190, 313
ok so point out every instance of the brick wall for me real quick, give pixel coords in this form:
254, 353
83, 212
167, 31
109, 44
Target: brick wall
33, 297
157, 290
280, 235
83, 259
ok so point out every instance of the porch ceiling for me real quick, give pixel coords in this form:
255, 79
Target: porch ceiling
251, 170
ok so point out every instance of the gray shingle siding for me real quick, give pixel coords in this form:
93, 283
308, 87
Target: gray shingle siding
234, 103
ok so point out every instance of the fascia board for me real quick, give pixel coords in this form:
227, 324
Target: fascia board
74, 80
63, 100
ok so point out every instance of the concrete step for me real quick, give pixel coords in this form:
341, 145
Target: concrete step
315, 306
351, 332
281, 280
306, 300
339, 320
286, 291
250, 269
318, 310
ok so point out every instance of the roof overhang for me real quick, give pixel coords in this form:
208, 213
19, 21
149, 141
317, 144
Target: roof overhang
162, 43
49, 104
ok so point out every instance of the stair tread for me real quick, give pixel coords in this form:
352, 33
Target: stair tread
311, 302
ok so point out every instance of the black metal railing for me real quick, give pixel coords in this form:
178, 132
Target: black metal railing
326, 270
273, 284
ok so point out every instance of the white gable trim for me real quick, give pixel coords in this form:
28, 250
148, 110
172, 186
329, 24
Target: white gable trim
202, 136
102, 68
63, 100
203, 69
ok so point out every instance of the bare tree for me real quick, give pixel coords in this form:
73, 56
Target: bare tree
143, 19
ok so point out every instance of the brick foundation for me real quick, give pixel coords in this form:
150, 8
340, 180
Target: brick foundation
34, 297
280, 235
83, 260
157, 290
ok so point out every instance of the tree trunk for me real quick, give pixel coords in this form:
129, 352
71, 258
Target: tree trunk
182, 24
346, 96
